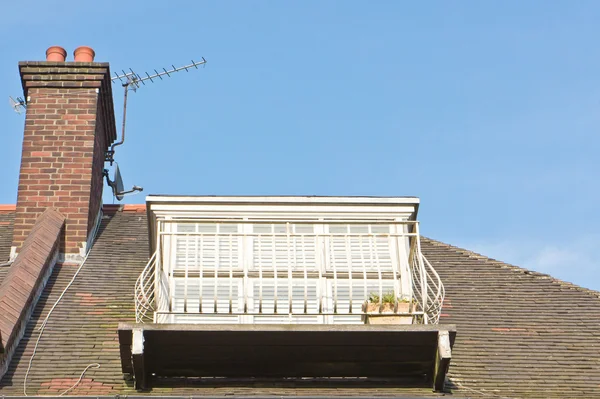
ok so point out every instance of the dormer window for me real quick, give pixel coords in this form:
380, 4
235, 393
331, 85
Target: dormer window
298, 260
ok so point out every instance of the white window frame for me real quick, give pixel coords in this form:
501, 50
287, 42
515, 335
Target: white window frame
398, 255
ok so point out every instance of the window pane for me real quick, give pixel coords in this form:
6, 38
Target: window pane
224, 288
300, 289
338, 228
262, 228
361, 289
206, 228
380, 228
359, 228
282, 252
228, 228
367, 251
208, 250
186, 227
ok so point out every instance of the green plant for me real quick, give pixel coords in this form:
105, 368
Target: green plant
387, 297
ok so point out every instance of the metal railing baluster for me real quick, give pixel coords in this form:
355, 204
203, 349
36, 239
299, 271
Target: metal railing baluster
303, 251
187, 266
364, 267
274, 263
349, 263
289, 254
260, 273
201, 274
319, 259
217, 264
334, 266
378, 265
230, 274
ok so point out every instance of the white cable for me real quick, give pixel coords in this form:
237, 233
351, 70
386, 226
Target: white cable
493, 395
94, 365
43, 326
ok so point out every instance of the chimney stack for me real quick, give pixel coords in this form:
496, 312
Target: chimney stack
69, 125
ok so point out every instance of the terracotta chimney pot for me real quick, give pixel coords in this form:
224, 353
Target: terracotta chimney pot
56, 54
84, 54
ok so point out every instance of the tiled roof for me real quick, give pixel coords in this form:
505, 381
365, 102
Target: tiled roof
6, 228
27, 275
520, 333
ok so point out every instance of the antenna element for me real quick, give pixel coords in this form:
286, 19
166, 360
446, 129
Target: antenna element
134, 79
17, 105
131, 80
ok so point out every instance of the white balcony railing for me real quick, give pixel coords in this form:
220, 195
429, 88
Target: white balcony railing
284, 272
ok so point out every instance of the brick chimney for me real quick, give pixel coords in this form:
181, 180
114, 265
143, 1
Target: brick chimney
69, 125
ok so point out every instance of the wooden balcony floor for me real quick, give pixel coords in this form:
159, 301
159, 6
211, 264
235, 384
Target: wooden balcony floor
284, 351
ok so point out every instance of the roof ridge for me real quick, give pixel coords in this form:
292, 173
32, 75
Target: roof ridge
496, 262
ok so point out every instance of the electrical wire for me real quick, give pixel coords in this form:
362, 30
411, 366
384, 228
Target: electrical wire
488, 394
45, 321
94, 365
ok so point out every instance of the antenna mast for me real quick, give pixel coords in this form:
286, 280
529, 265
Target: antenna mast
132, 80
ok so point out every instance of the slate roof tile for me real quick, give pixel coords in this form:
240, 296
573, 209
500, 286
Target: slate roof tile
520, 333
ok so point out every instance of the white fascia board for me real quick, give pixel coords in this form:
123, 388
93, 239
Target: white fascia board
283, 200
279, 211
282, 206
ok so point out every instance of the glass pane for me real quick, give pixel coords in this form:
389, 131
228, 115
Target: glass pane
279, 228
380, 228
361, 289
359, 228
338, 228
300, 288
186, 227
283, 252
206, 228
304, 228
262, 228
224, 288
228, 228
208, 250
361, 251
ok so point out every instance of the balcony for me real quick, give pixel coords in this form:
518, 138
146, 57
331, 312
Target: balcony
281, 290
291, 273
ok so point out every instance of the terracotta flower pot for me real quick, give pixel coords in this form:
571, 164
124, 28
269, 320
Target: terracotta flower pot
84, 54
56, 54
386, 314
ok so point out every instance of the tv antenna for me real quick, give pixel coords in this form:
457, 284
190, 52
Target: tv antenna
17, 105
133, 81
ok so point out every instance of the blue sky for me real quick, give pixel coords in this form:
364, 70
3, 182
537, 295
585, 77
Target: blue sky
487, 111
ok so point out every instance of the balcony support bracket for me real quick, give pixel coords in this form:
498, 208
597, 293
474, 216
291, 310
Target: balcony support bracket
442, 360
138, 360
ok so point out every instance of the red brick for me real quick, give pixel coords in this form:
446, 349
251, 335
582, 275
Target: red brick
64, 142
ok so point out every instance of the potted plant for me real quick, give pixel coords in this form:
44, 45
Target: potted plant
387, 309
